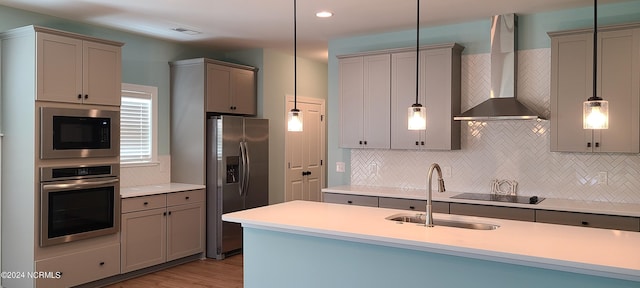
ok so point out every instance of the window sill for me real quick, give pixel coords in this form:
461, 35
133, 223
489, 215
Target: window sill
139, 164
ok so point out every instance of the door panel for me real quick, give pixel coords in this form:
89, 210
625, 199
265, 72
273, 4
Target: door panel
257, 146
305, 153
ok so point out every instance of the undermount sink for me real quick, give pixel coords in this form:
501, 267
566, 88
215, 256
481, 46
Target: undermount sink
420, 219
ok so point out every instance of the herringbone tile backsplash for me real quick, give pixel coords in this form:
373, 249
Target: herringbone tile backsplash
513, 150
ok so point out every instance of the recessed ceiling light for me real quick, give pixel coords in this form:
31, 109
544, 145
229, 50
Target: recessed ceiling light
186, 31
324, 14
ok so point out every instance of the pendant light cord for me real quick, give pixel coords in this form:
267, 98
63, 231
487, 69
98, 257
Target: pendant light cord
417, 48
295, 59
595, 47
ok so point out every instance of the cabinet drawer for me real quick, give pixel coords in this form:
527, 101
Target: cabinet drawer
81, 267
351, 199
412, 204
588, 220
185, 197
510, 213
144, 203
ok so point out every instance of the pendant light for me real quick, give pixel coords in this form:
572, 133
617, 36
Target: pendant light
417, 115
595, 110
295, 116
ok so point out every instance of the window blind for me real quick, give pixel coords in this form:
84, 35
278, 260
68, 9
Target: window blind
135, 129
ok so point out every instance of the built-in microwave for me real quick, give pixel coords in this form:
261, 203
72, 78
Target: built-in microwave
79, 133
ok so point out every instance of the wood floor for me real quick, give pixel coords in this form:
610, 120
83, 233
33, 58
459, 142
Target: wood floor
208, 273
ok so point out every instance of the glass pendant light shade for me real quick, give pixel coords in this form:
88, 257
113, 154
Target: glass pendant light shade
295, 121
595, 114
417, 116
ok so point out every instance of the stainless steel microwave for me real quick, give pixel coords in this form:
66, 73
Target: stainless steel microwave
79, 133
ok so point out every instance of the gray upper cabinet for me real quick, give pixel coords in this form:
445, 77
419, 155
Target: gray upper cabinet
231, 90
364, 101
74, 69
199, 86
618, 82
439, 92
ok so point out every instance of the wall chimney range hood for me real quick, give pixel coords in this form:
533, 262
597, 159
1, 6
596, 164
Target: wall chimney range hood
502, 104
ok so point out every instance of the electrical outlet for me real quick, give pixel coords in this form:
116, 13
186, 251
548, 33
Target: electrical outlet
446, 172
602, 178
340, 167
374, 169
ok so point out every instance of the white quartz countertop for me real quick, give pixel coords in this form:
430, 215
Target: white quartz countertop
601, 252
136, 191
621, 209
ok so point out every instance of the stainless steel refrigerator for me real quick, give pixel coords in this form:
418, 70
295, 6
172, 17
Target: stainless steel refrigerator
237, 177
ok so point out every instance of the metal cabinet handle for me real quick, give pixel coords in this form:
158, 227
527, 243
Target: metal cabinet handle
86, 96
422, 143
597, 144
589, 144
79, 96
585, 223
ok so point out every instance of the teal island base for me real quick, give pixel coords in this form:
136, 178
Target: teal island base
280, 259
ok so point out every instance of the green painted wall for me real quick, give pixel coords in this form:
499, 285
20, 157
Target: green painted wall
474, 36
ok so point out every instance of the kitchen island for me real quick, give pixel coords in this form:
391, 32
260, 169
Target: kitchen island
310, 244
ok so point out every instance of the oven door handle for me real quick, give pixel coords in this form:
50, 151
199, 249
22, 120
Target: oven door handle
78, 185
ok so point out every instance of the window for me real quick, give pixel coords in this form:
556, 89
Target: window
138, 122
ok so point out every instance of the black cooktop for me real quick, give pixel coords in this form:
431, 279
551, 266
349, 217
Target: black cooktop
500, 198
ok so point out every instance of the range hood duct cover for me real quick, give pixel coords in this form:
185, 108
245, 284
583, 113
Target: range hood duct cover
502, 104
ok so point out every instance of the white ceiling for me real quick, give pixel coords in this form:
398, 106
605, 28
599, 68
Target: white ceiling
237, 24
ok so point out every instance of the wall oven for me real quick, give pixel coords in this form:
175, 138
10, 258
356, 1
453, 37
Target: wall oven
78, 202
79, 133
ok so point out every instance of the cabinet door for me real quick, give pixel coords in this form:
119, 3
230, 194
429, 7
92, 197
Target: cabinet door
571, 74
511, 213
440, 84
185, 230
351, 102
243, 92
588, 220
59, 68
79, 268
403, 95
619, 83
101, 74
219, 88
349, 199
377, 101
143, 239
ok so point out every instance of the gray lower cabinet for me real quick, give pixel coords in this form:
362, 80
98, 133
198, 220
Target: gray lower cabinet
412, 204
161, 228
589, 220
510, 213
79, 268
360, 200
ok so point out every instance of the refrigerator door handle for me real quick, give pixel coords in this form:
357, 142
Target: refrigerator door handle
247, 168
243, 177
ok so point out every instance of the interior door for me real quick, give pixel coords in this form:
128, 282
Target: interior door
305, 153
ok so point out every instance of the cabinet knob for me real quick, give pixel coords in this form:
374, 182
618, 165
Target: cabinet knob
102, 263
589, 144
145, 203
365, 142
417, 143
79, 96
597, 144
585, 223
412, 207
164, 213
169, 212
86, 96
422, 143
360, 142
186, 198
349, 202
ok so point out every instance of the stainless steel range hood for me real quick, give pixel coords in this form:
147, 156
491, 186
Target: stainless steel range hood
502, 104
